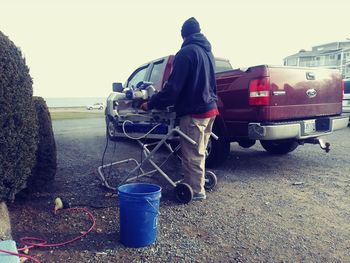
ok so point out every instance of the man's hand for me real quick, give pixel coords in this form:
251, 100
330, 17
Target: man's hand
144, 106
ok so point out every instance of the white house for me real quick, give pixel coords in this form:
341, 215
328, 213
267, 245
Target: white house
334, 55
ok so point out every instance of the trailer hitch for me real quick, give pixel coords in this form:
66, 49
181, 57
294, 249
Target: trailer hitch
324, 145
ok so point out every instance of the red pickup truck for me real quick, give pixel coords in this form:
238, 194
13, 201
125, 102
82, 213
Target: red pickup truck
282, 107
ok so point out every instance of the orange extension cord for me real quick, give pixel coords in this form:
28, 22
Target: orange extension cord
31, 242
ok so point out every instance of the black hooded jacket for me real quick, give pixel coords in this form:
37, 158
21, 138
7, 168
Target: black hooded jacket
191, 87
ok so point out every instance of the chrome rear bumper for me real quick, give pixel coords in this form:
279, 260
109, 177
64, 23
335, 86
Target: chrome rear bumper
295, 129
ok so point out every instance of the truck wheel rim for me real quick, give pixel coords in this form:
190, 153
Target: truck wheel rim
111, 129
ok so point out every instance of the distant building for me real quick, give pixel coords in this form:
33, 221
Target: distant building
334, 55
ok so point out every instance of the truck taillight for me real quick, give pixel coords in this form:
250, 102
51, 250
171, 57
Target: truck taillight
259, 93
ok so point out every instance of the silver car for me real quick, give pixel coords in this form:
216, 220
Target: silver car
98, 106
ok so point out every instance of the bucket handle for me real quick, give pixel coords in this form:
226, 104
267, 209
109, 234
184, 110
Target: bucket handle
148, 201
155, 209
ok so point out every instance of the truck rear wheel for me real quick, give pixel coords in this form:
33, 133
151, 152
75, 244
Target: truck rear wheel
217, 150
279, 146
111, 130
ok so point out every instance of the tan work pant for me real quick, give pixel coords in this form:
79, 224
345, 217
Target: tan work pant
193, 156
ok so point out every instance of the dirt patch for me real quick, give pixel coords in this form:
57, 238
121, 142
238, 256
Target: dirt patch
292, 208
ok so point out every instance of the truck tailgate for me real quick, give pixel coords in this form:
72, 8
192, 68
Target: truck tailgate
303, 92
294, 93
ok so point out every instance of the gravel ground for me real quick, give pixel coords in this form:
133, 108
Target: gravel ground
292, 208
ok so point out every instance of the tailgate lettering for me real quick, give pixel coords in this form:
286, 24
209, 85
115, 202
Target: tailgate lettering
279, 93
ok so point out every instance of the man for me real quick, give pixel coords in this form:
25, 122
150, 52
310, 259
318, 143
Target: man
191, 88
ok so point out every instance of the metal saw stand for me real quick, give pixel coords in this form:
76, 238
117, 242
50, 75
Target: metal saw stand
183, 191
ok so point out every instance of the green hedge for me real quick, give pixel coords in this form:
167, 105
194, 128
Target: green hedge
46, 156
18, 123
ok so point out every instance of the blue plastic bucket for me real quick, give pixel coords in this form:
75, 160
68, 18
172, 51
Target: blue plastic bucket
138, 213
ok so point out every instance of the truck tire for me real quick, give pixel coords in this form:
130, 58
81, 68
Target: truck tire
246, 143
279, 146
110, 130
217, 150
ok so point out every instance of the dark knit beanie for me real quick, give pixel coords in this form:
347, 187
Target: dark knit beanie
191, 26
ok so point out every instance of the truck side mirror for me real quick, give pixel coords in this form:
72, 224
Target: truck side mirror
117, 87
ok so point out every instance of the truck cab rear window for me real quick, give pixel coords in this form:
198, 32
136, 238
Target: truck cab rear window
156, 76
222, 65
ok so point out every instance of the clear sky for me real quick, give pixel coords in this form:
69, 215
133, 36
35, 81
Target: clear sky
77, 48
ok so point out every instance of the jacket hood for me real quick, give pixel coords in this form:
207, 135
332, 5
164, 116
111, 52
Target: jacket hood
197, 39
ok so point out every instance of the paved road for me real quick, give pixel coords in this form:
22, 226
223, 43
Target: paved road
73, 127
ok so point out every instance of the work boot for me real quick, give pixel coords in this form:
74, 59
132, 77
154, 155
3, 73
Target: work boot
199, 196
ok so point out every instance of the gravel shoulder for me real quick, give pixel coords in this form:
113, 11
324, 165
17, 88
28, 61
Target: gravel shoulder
293, 208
